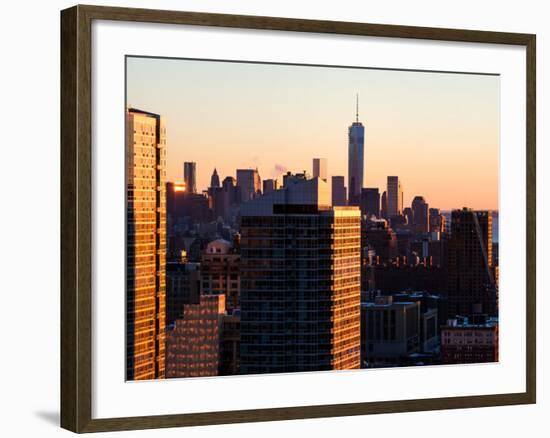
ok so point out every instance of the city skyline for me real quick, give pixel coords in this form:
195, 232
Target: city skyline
470, 125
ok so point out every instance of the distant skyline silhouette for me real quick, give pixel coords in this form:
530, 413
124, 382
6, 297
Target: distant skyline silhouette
439, 132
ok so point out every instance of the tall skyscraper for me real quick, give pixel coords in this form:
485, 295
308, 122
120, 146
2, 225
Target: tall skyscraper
420, 214
215, 179
338, 191
249, 182
472, 286
356, 143
190, 176
300, 282
370, 202
320, 168
394, 196
145, 245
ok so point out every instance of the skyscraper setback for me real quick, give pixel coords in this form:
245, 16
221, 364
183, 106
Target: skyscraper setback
356, 143
146, 245
300, 282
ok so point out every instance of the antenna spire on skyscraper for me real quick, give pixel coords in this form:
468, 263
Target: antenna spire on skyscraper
357, 107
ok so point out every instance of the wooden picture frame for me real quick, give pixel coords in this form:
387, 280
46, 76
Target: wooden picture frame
76, 217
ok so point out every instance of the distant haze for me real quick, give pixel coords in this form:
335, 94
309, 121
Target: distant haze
439, 132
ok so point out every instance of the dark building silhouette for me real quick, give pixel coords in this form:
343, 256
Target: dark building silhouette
190, 176
231, 199
397, 277
384, 206
230, 344
370, 202
292, 178
408, 213
382, 239
472, 286
421, 217
182, 287
215, 179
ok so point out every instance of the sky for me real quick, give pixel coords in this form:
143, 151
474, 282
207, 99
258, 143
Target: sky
439, 132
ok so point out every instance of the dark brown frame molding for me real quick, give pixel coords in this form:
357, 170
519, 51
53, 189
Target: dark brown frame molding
76, 178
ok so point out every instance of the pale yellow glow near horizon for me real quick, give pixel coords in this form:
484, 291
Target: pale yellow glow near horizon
438, 132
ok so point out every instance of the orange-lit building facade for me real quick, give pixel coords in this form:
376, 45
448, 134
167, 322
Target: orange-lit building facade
146, 245
193, 342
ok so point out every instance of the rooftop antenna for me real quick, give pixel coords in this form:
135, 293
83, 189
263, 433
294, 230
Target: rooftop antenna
357, 108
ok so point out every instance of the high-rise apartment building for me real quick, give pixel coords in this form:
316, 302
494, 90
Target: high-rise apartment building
249, 182
356, 152
320, 168
145, 245
394, 193
300, 282
338, 191
190, 176
472, 286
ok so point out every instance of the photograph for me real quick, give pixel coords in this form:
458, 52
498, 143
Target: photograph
286, 218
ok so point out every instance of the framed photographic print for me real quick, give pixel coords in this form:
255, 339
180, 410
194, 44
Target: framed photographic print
270, 218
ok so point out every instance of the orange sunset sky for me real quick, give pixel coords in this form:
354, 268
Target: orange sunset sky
439, 132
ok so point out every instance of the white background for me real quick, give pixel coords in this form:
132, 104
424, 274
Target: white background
30, 216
